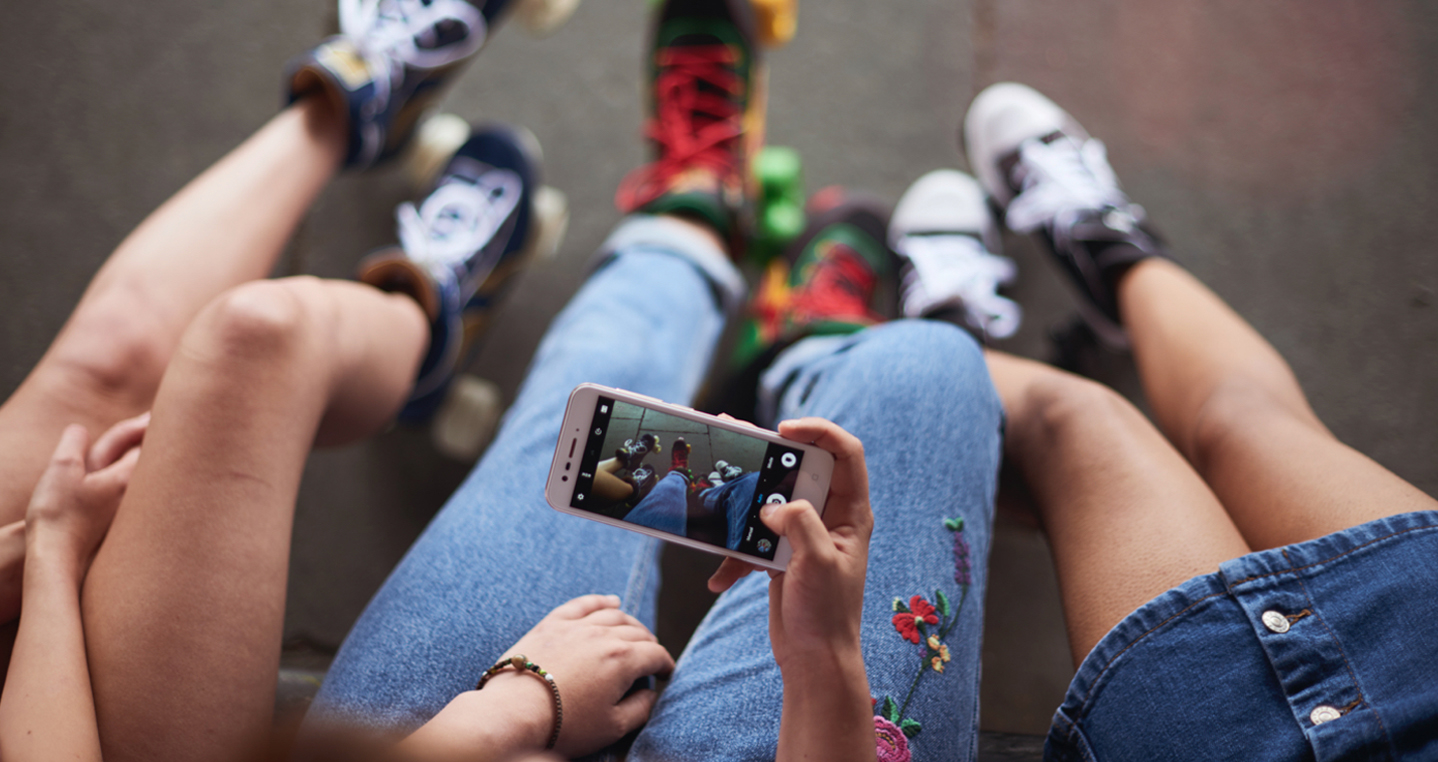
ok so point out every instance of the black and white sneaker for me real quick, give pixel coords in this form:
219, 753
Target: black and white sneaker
946, 238
1051, 178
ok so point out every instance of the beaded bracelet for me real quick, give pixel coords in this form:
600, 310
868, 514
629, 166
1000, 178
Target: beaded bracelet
520, 662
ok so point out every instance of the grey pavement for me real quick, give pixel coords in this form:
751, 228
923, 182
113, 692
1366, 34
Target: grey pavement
1286, 148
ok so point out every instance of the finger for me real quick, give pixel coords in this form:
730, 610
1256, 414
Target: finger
800, 523
613, 618
66, 468
727, 417
848, 503
585, 605
633, 710
729, 572
634, 633
646, 659
117, 440
109, 483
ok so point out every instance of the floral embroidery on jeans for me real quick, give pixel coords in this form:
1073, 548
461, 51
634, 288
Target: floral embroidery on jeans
893, 745
925, 625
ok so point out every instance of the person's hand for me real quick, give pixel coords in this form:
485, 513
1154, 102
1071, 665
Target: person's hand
595, 653
815, 605
75, 499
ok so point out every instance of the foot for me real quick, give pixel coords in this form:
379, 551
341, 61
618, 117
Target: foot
460, 249
634, 451
388, 64
1050, 177
642, 478
944, 235
706, 115
835, 268
679, 459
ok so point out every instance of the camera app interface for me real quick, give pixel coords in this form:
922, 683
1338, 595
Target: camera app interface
683, 477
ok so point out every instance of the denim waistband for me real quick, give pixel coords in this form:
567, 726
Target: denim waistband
1324, 662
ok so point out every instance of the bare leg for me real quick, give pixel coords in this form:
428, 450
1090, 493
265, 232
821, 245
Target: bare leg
184, 604
225, 227
1126, 517
1230, 403
608, 486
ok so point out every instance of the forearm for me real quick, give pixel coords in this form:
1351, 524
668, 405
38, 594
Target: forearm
12, 569
47, 710
506, 718
828, 714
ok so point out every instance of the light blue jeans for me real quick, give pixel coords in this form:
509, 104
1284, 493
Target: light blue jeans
496, 558
666, 507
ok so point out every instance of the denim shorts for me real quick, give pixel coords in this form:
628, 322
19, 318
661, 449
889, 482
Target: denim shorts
1324, 650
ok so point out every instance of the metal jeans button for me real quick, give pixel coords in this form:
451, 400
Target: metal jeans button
1323, 713
1275, 622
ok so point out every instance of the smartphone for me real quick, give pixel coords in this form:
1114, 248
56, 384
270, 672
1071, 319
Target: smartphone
680, 475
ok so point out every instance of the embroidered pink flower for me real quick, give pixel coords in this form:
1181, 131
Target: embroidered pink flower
892, 744
907, 622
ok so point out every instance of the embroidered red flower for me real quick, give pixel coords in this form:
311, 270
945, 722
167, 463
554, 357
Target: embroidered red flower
893, 745
906, 622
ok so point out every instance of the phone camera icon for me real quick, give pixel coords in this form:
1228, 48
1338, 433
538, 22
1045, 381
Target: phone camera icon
788, 459
777, 499
579, 497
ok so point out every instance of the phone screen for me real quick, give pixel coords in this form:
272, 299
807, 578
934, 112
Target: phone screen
683, 477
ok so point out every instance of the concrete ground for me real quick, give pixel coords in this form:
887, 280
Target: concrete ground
1286, 149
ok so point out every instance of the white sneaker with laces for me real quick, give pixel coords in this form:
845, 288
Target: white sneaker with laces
944, 234
1052, 179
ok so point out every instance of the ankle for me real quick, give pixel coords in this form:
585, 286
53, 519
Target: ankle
700, 227
324, 121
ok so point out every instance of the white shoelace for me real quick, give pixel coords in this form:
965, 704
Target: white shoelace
458, 220
392, 31
1063, 179
957, 270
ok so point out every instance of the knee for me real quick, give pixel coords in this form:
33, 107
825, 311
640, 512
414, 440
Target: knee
925, 359
1061, 405
1237, 409
116, 345
267, 319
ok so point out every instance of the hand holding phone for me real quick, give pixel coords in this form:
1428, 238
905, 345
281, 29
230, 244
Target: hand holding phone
815, 605
680, 475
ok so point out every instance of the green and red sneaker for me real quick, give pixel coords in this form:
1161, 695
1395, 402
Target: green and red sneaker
706, 115
832, 280
828, 281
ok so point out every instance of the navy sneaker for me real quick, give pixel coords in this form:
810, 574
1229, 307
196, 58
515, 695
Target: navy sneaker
460, 249
388, 64
1051, 178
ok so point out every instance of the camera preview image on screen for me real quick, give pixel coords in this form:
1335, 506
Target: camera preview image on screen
683, 477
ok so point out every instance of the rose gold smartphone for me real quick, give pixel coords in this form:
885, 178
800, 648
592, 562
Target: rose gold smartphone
680, 475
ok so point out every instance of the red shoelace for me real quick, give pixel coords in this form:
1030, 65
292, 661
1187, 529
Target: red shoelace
839, 289
693, 126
